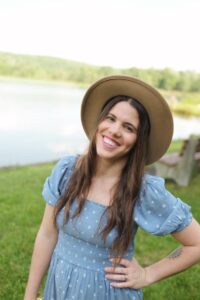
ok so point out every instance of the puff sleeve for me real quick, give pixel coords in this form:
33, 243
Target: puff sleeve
54, 184
157, 211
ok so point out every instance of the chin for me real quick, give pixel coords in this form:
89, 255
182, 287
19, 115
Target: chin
110, 156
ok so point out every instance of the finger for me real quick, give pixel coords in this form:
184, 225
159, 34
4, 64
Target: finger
115, 277
116, 270
125, 284
123, 261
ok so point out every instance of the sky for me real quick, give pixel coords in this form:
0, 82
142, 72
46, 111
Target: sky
118, 33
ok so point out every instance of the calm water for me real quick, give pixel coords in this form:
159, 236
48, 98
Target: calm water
40, 122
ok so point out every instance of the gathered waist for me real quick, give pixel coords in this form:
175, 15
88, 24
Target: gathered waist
81, 253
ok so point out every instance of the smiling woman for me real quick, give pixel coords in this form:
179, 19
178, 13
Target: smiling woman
117, 131
95, 202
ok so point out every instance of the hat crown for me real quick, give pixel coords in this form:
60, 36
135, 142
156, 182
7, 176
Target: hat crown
160, 116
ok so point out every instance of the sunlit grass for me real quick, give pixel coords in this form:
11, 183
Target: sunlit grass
183, 103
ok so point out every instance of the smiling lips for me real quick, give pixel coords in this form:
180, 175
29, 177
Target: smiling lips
109, 143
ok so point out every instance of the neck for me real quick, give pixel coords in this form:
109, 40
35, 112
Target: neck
108, 168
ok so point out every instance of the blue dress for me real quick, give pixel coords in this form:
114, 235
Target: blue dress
76, 270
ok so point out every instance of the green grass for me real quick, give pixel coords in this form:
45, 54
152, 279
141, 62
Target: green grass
21, 207
149, 249
175, 146
183, 103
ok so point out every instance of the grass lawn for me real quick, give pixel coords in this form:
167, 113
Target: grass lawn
21, 207
186, 103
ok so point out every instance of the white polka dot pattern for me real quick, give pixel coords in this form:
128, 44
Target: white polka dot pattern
80, 256
159, 212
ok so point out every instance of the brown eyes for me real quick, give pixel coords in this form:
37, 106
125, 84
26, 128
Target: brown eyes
130, 129
112, 119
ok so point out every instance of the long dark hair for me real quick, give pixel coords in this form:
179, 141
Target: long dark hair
120, 212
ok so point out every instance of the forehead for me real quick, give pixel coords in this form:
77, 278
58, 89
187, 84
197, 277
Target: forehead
124, 110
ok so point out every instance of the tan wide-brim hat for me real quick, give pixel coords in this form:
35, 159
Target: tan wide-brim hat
157, 108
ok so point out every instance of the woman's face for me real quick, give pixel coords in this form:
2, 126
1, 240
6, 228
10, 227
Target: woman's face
117, 133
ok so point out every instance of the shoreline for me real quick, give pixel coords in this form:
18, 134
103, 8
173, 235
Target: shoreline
179, 108
42, 81
174, 147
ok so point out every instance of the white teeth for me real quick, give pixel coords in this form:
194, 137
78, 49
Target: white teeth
108, 141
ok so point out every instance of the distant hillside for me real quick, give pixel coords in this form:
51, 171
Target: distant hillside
50, 68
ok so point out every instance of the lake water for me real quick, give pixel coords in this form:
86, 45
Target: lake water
41, 122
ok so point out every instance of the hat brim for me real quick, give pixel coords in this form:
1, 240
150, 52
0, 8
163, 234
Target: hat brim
157, 108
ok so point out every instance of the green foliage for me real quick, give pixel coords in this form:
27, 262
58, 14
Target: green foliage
49, 68
184, 103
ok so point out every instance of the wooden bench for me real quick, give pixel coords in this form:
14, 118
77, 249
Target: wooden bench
181, 166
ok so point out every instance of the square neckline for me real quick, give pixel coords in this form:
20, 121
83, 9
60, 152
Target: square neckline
97, 203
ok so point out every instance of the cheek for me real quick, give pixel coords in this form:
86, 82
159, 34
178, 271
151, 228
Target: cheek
132, 141
101, 126
98, 135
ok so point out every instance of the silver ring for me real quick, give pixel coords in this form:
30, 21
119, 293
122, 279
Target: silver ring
125, 277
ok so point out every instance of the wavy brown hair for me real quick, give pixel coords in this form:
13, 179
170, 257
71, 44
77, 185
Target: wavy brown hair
126, 190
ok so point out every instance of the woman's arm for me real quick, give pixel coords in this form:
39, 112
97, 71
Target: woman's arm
43, 248
179, 260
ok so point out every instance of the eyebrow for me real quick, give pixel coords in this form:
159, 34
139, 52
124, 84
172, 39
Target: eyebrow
127, 123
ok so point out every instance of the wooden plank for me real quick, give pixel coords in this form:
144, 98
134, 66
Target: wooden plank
180, 166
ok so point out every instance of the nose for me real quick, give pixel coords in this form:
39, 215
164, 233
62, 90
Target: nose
115, 129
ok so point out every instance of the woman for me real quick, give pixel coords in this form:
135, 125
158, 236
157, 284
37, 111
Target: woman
95, 202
